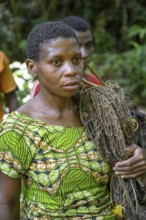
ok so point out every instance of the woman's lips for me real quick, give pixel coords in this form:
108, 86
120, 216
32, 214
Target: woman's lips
72, 85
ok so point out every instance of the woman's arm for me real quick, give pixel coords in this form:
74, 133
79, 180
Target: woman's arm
9, 197
134, 166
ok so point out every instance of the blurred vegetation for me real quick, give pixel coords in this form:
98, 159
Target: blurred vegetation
119, 29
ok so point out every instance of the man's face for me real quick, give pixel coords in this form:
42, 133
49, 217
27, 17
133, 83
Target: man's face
86, 45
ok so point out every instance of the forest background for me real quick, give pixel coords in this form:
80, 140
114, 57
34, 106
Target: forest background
119, 29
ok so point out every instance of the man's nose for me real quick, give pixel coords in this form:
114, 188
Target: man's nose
84, 53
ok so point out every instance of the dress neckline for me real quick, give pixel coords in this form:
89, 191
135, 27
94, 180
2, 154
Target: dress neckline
17, 113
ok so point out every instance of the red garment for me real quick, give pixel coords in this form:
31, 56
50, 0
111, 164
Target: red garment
36, 87
93, 79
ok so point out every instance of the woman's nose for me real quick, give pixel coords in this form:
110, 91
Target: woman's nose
70, 69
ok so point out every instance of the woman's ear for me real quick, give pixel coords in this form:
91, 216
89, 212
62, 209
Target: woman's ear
31, 66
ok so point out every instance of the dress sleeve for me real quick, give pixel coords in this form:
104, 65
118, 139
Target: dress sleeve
15, 155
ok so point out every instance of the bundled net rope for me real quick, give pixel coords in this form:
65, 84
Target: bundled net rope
108, 122
140, 116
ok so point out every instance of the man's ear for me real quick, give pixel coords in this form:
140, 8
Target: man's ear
31, 66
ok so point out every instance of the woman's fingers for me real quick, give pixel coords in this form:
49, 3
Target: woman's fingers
133, 167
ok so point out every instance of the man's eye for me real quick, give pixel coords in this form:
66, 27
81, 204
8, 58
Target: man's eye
89, 46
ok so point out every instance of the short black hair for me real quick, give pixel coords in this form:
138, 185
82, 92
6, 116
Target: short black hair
77, 23
44, 32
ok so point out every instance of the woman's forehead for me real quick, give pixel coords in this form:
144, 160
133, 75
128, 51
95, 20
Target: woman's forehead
57, 42
60, 45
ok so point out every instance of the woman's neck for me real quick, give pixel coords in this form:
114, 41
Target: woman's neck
57, 104
56, 110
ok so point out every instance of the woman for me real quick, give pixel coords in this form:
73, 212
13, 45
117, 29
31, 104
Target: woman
44, 144
136, 164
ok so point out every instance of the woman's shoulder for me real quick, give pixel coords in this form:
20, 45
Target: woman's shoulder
20, 129
27, 108
13, 121
18, 121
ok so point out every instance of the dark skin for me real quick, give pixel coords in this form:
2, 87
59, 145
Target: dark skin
11, 101
62, 109
59, 71
9, 197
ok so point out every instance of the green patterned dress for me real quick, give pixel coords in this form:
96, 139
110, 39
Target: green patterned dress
63, 175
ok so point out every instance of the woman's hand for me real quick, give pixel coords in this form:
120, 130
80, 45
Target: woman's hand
134, 166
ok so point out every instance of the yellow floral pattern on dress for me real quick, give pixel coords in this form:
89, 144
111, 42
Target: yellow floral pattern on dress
64, 177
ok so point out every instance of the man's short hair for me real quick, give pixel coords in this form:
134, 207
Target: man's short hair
77, 23
44, 32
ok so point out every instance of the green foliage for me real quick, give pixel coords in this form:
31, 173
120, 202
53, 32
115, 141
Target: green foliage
24, 81
128, 68
136, 30
137, 36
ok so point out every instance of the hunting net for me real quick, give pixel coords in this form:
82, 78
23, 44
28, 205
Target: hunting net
109, 124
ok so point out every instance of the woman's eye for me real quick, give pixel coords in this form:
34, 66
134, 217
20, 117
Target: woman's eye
77, 60
57, 62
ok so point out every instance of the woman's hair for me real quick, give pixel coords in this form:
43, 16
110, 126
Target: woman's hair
44, 32
77, 23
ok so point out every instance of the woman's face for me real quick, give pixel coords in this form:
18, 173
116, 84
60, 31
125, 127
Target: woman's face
86, 45
60, 67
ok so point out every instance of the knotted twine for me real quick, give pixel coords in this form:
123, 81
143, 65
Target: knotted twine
108, 123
